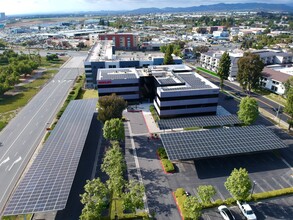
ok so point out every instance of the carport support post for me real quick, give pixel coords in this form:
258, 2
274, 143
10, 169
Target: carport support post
254, 183
24, 217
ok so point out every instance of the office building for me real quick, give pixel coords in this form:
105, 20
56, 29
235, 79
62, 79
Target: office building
103, 55
122, 41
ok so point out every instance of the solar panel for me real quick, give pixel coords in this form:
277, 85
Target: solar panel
203, 121
46, 185
166, 81
118, 76
220, 142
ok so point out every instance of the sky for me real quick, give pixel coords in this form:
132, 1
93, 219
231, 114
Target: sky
12, 7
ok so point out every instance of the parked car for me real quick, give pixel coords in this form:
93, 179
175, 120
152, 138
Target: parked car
246, 210
226, 213
187, 193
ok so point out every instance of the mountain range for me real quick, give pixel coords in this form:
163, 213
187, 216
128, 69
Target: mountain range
217, 8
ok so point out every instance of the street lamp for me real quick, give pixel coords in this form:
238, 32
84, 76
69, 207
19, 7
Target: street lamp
254, 183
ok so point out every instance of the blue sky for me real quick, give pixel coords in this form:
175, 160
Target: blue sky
11, 7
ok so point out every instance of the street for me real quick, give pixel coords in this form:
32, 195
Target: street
24, 133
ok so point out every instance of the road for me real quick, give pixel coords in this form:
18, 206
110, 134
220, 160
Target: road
263, 102
21, 137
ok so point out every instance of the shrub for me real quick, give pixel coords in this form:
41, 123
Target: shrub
179, 192
162, 153
230, 201
168, 165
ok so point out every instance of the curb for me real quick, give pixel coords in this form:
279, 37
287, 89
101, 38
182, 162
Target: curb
162, 164
179, 210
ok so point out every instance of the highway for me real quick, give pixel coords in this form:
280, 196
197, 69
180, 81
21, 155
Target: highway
263, 102
21, 137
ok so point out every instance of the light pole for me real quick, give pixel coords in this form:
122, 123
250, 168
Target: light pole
254, 183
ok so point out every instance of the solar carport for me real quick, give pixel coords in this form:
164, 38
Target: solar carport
46, 185
220, 142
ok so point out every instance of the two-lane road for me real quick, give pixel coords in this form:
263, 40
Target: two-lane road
24, 133
263, 102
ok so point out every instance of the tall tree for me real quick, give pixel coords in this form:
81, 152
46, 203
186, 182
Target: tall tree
114, 166
168, 59
192, 207
133, 196
94, 199
114, 129
239, 184
224, 68
250, 67
288, 85
206, 192
289, 107
248, 110
110, 107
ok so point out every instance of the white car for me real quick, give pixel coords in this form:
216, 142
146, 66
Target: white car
226, 213
246, 210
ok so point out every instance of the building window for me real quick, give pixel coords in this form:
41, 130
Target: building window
274, 88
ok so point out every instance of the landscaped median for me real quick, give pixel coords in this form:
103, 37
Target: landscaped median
166, 163
207, 71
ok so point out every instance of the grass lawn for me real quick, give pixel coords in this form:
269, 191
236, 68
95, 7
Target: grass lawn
270, 95
119, 209
53, 64
207, 71
88, 94
18, 217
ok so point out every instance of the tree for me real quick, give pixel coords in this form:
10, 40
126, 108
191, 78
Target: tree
248, 110
94, 199
114, 166
133, 197
289, 107
239, 184
288, 84
206, 192
192, 207
52, 57
168, 59
224, 68
110, 107
114, 129
250, 67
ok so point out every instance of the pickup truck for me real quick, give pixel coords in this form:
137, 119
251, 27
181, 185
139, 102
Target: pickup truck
246, 210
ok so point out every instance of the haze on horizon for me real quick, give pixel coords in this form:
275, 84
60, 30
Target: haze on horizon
14, 7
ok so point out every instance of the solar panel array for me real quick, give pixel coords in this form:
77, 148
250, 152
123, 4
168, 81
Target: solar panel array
220, 142
46, 185
167, 81
118, 76
203, 121
194, 81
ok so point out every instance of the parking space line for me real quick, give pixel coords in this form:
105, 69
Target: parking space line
286, 181
269, 185
258, 186
278, 183
218, 192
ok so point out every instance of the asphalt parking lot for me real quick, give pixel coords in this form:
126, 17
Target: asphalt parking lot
273, 209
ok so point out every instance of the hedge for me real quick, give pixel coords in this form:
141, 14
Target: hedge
162, 153
180, 198
168, 165
154, 113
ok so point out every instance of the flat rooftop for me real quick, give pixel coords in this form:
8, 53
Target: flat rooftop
117, 73
101, 51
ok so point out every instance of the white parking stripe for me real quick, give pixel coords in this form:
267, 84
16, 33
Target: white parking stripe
267, 183
259, 186
286, 181
218, 192
278, 183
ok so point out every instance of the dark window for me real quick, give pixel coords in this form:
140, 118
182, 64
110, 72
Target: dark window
189, 97
188, 106
117, 85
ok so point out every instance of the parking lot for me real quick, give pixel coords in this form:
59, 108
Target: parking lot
272, 209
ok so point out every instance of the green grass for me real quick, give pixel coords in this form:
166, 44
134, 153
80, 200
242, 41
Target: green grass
52, 64
191, 128
18, 217
88, 94
270, 95
154, 113
118, 207
207, 71
162, 153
